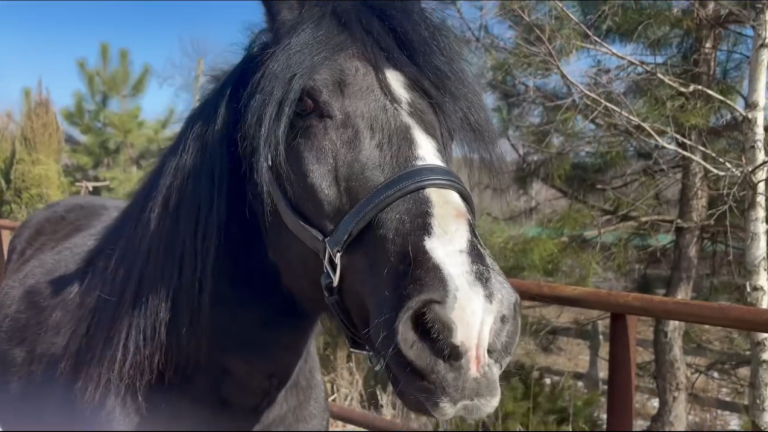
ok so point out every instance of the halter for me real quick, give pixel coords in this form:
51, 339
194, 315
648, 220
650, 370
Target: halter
331, 248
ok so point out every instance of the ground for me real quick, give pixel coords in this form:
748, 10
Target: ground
711, 353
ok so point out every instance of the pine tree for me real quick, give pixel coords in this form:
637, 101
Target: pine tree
119, 145
30, 157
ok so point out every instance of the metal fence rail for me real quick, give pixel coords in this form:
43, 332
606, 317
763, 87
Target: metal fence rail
729, 316
366, 420
624, 309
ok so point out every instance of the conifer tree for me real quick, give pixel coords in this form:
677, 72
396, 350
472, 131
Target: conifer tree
119, 145
30, 157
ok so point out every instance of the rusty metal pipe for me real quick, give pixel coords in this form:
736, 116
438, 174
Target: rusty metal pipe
366, 420
9, 225
736, 317
622, 383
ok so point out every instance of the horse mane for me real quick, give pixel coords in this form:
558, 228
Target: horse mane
146, 285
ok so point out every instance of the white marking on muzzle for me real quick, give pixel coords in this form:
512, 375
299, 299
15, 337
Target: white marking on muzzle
448, 245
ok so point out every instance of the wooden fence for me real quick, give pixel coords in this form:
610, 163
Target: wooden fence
624, 308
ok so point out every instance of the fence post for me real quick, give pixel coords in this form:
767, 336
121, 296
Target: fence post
621, 373
5, 239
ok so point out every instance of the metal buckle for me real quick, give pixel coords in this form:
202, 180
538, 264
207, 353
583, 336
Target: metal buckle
334, 271
375, 361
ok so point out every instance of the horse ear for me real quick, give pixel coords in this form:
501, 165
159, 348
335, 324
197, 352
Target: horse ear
281, 14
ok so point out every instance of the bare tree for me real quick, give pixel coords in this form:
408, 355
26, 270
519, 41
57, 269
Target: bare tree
671, 370
198, 84
757, 235
185, 71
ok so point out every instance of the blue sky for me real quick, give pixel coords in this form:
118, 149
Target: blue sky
43, 39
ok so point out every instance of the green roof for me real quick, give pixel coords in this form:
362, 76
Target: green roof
636, 239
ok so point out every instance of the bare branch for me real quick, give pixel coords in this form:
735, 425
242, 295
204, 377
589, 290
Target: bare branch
657, 139
674, 82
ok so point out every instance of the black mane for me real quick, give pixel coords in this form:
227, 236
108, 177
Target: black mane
146, 285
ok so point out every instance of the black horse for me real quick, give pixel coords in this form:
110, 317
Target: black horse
322, 152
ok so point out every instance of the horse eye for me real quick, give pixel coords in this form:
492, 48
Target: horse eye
305, 105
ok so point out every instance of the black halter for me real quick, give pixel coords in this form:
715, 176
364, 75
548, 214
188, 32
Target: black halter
331, 248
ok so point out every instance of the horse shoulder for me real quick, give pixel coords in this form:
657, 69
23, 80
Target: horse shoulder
302, 404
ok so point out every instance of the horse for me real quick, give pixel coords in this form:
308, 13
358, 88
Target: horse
313, 177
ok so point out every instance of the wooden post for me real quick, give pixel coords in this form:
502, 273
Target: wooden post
3, 255
198, 82
5, 237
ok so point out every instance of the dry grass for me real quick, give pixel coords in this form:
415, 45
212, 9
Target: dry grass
561, 356
709, 377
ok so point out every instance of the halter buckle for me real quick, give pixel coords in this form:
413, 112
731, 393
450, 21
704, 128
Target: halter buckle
375, 361
332, 264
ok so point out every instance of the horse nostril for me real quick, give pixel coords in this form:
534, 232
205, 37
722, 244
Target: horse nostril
434, 329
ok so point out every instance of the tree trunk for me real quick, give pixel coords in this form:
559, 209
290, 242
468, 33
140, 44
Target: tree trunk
670, 368
757, 241
593, 381
198, 82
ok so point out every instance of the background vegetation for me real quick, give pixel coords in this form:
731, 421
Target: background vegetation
625, 128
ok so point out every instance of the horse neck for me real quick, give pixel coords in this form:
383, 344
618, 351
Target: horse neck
252, 305
255, 321
254, 281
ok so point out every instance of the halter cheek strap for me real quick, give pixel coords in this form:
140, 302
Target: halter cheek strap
331, 248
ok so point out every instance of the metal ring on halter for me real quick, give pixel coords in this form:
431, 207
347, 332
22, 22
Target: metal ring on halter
333, 271
375, 361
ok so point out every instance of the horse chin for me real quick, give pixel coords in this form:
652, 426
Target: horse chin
403, 388
469, 410
423, 397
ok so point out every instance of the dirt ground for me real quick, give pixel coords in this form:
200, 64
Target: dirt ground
713, 377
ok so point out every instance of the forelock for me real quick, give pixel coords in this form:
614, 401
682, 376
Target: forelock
411, 40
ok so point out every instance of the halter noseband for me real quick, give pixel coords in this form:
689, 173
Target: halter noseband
331, 248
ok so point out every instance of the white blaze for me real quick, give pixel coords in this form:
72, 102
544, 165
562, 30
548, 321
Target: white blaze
448, 245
